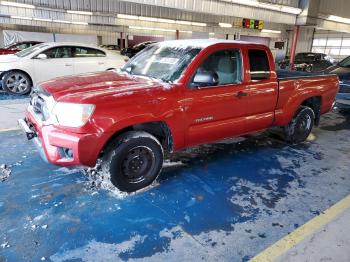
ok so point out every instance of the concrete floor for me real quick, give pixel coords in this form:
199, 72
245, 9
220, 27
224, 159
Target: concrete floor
330, 243
220, 202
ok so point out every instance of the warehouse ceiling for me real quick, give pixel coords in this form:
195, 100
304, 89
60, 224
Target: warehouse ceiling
165, 16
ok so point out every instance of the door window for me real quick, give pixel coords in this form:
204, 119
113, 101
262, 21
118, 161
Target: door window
88, 52
259, 65
59, 52
225, 65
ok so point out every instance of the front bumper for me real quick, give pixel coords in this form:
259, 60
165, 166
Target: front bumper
63, 148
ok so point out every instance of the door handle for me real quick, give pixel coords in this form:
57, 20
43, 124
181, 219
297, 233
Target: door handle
68, 64
101, 63
241, 94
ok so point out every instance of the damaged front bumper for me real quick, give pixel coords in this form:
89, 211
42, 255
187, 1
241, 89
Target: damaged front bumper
61, 147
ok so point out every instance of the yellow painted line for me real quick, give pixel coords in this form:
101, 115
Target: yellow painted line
291, 240
9, 129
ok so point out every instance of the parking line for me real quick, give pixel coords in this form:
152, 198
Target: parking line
291, 240
9, 129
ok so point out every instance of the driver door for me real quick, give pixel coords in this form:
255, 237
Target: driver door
58, 62
217, 111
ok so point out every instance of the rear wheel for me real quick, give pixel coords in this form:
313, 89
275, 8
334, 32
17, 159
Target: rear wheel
301, 125
17, 83
133, 160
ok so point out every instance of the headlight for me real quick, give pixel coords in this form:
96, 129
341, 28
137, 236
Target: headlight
72, 115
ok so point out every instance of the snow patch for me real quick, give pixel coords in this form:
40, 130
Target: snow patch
5, 172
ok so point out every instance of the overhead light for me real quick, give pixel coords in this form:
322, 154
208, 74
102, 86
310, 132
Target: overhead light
127, 16
339, 19
17, 4
152, 28
198, 24
225, 25
274, 7
184, 31
270, 31
80, 23
211, 33
160, 20
21, 17
62, 21
146, 18
79, 12
291, 10
169, 21
180, 22
42, 19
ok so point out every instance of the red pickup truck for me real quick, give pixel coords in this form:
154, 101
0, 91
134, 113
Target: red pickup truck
172, 95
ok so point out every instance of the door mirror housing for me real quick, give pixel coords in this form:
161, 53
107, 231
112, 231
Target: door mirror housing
205, 78
41, 56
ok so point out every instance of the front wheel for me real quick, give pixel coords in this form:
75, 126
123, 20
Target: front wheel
133, 160
301, 125
17, 83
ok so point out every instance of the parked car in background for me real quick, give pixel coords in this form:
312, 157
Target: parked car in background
312, 62
171, 96
21, 71
16, 47
131, 51
342, 69
308, 62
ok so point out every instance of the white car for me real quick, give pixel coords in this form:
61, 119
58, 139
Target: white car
21, 71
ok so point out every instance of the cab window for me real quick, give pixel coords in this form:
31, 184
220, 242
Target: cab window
220, 68
259, 65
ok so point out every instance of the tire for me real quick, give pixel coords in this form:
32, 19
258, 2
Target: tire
301, 125
133, 161
16, 83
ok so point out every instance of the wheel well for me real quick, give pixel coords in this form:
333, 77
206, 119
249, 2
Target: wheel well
160, 130
18, 70
315, 104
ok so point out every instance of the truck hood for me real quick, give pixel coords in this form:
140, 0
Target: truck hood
88, 88
9, 58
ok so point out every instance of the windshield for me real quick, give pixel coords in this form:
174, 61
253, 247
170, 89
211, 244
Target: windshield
31, 50
165, 63
345, 62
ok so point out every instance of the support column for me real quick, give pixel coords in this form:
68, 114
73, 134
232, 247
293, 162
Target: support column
293, 46
177, 34
121, 41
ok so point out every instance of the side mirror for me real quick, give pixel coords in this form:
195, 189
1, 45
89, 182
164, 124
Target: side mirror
202, 79
41, 56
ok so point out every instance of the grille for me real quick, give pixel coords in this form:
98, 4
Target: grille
39, 105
